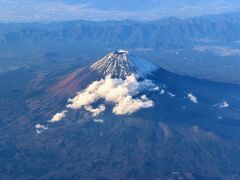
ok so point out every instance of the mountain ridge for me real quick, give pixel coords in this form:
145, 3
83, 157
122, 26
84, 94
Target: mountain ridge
169, 32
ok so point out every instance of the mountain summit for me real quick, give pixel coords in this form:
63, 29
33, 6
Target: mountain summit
117, 64
121, 63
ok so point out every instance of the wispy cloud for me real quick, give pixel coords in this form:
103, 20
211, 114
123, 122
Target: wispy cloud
219, 50
223, 104
28, 10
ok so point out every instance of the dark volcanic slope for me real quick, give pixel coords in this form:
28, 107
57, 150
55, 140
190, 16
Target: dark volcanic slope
175, 139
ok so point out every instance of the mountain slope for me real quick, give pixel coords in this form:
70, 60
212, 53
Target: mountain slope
191, 132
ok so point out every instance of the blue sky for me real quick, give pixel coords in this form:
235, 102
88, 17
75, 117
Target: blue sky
59, 10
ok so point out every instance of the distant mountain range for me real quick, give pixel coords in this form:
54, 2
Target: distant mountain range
165, 33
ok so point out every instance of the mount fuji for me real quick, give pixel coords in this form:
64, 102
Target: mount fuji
126, 118
121, 75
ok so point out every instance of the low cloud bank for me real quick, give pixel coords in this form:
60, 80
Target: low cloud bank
121, 93
116, 91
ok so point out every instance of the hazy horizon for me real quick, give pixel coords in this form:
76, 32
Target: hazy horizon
63, 10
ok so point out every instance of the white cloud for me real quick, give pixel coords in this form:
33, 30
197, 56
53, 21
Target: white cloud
223, 104
40, 128
58, 117
171, 94
95, 112
128, 105
119, 92
192, 98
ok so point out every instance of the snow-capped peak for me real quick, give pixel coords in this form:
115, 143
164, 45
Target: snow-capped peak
121, 63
